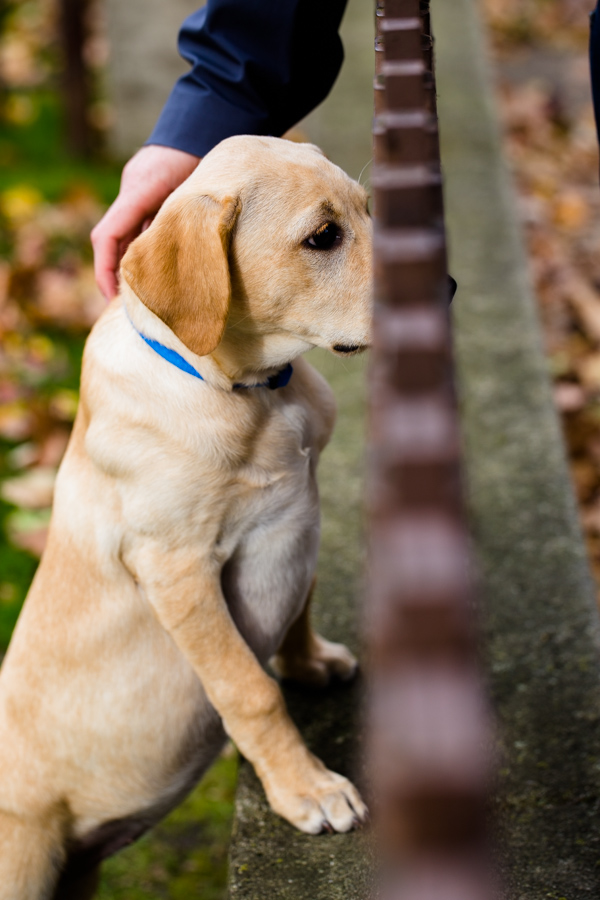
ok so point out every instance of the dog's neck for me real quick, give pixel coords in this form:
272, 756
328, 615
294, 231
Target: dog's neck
218, 369
252, 358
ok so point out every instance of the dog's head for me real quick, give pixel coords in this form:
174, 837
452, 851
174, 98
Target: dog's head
263, 252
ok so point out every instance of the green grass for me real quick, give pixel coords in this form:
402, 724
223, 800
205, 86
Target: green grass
33, 153
16, 571
186, 855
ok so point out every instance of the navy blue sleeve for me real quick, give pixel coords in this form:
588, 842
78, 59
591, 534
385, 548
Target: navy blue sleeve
258, 67
595, 63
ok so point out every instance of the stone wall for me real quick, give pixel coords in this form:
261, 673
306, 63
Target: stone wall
143, 66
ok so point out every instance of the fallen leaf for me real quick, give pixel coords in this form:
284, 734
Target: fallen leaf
16, 421
23, 456
585, 303
31, 245
588, 370
568, 397
28, 529
593, 447
53, 448
8, 593
33, 541
63, 405
570, 210
590, 518
68, 298
33, 490
20, 203
586, 478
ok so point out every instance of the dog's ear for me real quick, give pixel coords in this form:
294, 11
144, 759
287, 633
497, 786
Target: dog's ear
179, 269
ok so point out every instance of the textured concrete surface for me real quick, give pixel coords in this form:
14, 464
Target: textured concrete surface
270, 859
537, 609
143, 65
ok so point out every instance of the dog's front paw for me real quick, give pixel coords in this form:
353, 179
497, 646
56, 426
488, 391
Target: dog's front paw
328, 802
324, 663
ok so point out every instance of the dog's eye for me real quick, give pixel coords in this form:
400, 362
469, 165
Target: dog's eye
325, 237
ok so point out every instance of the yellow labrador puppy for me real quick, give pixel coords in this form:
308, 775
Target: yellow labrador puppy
185, 529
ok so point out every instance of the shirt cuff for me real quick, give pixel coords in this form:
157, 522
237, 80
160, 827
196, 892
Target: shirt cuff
195, 119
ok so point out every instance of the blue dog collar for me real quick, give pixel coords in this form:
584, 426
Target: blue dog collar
280, 379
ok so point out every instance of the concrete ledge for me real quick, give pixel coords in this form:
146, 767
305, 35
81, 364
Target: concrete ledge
538, 611
269, 858
538, 607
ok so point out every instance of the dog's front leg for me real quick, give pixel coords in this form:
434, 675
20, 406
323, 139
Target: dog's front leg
186, 595
308, 658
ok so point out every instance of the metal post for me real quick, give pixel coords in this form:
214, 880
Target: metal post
430, 733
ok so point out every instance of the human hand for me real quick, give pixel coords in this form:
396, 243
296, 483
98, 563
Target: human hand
147, 180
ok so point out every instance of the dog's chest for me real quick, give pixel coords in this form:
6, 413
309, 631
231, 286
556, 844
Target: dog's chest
282, 448
279, 469
261, 479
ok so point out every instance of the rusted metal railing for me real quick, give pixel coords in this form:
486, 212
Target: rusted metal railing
430, 743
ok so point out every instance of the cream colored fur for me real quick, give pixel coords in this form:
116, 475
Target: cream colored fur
185, 528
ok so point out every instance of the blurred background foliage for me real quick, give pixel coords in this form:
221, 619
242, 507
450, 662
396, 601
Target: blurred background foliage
540, 50
54, 186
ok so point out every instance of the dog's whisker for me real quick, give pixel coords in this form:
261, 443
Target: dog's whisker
366, 165
239, 321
